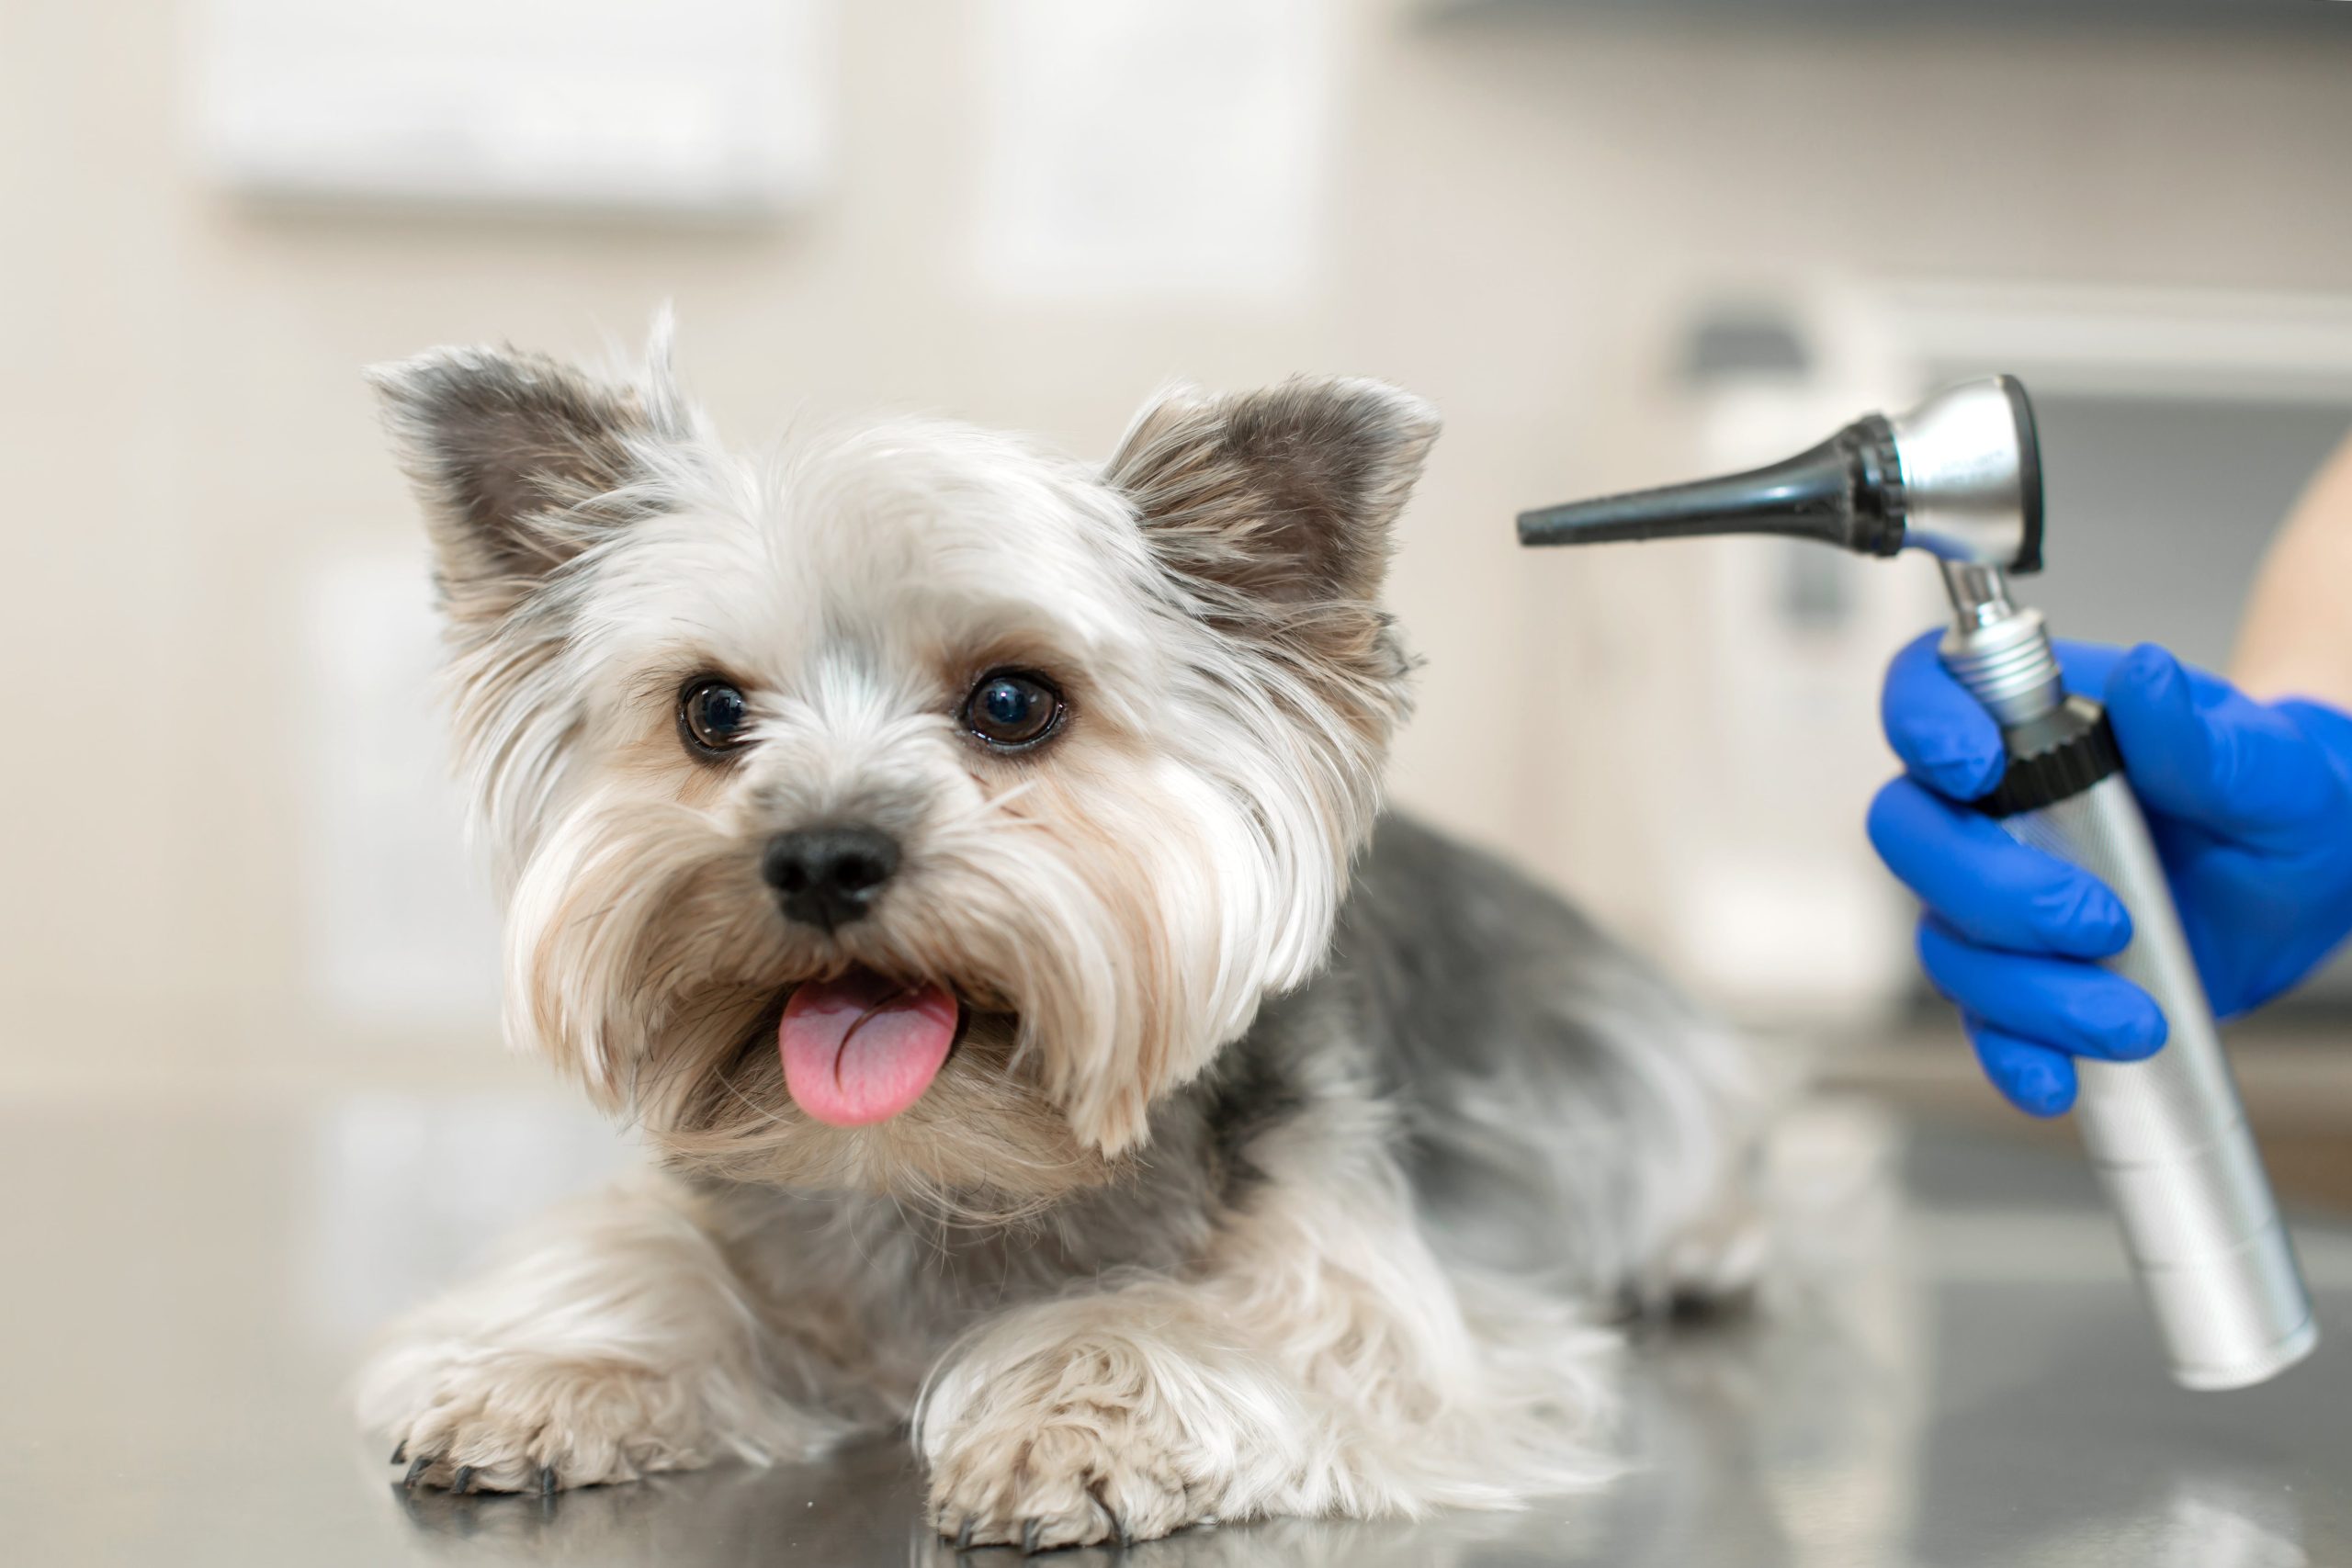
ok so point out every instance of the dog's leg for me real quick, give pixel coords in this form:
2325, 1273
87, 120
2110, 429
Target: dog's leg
1320, 1361
620, 1343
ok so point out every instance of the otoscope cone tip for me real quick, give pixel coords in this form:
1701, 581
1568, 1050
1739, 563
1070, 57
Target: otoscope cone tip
1842, 492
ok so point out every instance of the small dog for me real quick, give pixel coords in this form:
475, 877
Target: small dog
965, 868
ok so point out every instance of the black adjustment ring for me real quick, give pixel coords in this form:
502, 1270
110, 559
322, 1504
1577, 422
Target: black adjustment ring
2071, 762
1880, 505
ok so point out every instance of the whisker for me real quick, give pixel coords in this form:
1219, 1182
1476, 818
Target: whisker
772, 1118
1005, 797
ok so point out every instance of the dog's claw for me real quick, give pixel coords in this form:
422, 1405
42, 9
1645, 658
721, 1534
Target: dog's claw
1030, 1531
465, 1480
416, 1470
1119, 1536
400, 1454
547, 1480
964, 1536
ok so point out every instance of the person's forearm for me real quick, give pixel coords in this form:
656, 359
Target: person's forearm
2296, 637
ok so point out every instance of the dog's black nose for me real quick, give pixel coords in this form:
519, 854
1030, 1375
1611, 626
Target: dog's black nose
827, 877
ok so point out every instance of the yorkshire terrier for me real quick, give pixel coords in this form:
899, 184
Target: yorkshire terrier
965, 868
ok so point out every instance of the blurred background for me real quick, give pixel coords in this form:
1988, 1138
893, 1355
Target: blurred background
252, 1098
1616, 243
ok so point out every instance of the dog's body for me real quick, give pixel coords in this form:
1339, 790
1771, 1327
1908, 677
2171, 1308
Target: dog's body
1246, 1185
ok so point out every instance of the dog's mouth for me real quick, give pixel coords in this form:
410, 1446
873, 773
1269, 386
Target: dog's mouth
862, 1047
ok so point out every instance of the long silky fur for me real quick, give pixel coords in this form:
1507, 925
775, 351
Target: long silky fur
1290, 1159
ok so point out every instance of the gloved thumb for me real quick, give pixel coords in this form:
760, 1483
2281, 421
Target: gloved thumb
2199, 751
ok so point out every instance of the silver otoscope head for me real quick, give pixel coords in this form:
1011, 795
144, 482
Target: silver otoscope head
1959, 477
1972, 476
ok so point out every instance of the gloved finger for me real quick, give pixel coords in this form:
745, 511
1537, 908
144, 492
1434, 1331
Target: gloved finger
2328, 728
2085, 668
2035, 1078
1987, 887
2199, 751
1943, 737
2063, 1003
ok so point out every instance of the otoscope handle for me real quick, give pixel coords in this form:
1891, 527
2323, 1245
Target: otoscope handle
2168, 1135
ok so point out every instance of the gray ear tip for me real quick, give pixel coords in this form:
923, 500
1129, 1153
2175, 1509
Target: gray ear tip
391, 379
1417, 416
1411, 420
407, 382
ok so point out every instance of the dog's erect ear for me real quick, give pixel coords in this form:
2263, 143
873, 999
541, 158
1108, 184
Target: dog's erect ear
1277, 500
521, 462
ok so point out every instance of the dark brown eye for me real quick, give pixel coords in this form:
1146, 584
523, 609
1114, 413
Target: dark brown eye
1013, 709
712, 717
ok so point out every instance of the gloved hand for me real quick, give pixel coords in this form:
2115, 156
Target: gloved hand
2250, 806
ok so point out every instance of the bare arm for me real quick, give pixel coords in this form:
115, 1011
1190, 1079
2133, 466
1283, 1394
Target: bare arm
2295, 638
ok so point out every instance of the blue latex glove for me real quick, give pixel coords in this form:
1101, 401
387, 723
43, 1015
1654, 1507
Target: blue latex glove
2251, 808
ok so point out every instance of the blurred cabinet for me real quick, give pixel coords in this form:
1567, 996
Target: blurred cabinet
708, 108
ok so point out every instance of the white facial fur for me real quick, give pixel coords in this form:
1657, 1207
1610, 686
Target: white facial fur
1113, 905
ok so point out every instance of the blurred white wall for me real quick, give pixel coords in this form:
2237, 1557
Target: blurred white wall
1512, 212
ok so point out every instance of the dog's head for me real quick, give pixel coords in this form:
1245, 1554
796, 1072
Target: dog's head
910, 807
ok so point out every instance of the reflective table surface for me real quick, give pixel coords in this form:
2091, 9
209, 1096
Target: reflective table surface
183, 1296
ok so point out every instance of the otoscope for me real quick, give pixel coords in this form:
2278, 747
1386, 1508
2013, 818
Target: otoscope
1959, 477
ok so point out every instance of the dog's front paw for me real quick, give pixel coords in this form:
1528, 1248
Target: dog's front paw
1065, 1427
1058, 1475
526, 1423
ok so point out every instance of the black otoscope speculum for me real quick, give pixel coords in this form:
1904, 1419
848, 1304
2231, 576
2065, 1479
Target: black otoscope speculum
1972, 454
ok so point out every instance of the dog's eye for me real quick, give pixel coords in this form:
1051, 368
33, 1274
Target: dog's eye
712, 717
1011, 709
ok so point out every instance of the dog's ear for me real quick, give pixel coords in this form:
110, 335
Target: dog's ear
1281, 502
520, 462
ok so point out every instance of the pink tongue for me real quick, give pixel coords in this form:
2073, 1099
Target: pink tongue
862, 1048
